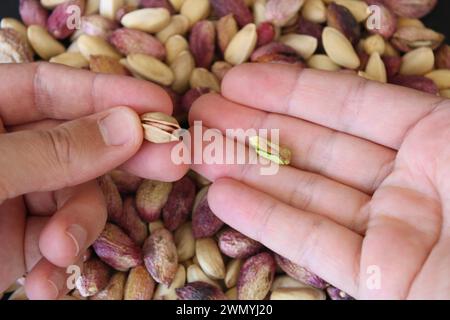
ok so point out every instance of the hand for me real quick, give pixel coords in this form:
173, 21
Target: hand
368, 188
49, 211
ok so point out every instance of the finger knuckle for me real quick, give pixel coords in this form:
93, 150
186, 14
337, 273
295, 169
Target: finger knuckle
61, 151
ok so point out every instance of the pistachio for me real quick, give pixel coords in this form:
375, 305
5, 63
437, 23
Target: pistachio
179, 204
32, 13
160, 256
374, 43
409, 38
220, 69
195, 274
232, 294
160, 128
177, 4
297, 294
340, 18
337, 294
126, 182
128, 41
204, 222
14, 48
441, 77
116, 249
195, 10
43, 43
202, 43
200, 291
284, 281
97, 25
309, 28
237, 8
299, 273
443, 57
139, 285
190, 96
71, 59
114, 204
387, 23
155, 225
185, 242
232, 273
445, 93
16, 25
376, 69
114, 290
417, 62
150, 20
157, 4
203, 78
242, 45
266, 33
92, 7
105, 64
315, 11
178, 25
269, 150
18, 295
234, 244
415, 82
409, 22
273, 51
164, 292
209, 258
304, 45
279, 12
411, 9
259, 11
322, 62
131, 223
256, 277
150, 68
94, 278
339, 48
226, 30
392, 65
96, 46
359, 9
174, 46
108, 8
59, 23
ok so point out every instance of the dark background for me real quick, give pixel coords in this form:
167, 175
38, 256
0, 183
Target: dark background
438, 20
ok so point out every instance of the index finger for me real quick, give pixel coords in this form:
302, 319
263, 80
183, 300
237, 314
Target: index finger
37, 91
344, 102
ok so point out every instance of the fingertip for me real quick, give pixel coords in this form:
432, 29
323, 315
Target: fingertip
154, 161
61, 244
121, 126
45, 282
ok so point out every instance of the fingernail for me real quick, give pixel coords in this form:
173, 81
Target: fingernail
117, 127
78, 235
56, 285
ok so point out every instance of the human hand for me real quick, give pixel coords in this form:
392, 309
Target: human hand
368, 186
49, 211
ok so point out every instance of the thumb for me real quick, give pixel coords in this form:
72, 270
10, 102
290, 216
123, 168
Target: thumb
67, 155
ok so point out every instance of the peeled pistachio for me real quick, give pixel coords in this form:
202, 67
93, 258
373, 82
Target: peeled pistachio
268, 150
159, 127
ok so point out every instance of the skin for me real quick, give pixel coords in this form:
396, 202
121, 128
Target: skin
366, 196
54, 141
